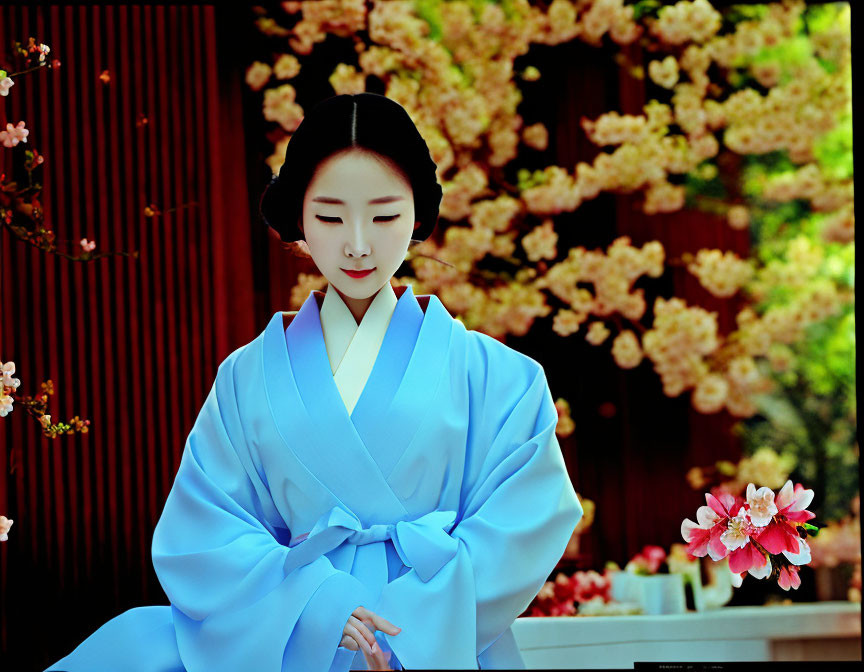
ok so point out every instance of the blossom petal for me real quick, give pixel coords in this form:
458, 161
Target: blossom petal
762, 572
706, 516
802, 557
698, 540
744, 558
688, 527
715, 504
785, 497
802, 501
800, 516
789, 578
716, 548
777, 537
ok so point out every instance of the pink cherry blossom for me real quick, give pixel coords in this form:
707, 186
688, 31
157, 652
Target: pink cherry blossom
88, 246
751, 532
780, 534
5, 84
737, 534
793, 503
704, 538
789, 578
14, 134
649, 559
762, 572
6, 371
5, 526
745, 558
5, 405
802, 557
761, 505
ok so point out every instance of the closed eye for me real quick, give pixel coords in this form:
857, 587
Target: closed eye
331, 220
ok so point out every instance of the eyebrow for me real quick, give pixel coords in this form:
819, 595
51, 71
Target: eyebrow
383, 199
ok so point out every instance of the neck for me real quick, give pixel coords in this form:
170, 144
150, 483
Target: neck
358, 307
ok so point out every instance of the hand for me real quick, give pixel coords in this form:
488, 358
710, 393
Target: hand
358, 634
380, 660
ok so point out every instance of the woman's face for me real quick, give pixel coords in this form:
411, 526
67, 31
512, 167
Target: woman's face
358, 214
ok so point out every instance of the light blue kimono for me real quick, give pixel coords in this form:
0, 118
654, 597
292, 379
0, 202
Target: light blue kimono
441, 502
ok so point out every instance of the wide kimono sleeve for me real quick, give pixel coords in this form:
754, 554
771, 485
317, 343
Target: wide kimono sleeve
239, 599
517, 514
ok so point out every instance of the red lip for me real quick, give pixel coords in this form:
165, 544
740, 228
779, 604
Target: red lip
358, 274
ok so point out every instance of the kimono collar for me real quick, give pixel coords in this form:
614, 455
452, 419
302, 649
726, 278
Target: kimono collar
342, 332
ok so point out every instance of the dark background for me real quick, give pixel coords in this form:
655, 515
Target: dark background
134, 345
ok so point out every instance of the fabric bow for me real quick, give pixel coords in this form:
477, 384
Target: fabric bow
423, 543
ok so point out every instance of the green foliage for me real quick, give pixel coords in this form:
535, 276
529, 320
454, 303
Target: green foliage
704, 181
644, 8
812, 416
739, 13
428, 11
827, 357
812, 413
833, 151
510, 12
525, 179
819, 18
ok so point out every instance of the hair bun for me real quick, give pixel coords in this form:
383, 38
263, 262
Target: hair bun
367, 121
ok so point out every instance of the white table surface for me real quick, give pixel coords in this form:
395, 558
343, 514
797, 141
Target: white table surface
724, 634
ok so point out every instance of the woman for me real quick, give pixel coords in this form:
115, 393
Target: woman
366, 475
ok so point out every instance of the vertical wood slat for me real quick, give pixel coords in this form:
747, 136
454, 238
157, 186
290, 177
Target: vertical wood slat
7, 459
131, 344
169, 249
118, 441
131, 207
179, 356
154, 352
216, 213
88, 385
57, 277
192, 246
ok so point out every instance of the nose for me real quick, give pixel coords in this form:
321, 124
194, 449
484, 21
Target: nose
357, 245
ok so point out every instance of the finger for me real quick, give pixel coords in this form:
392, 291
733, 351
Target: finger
349, 643
366, 616
383, 660
365, 631
370, 660
376, 661
358, 637
362, 613
383, 624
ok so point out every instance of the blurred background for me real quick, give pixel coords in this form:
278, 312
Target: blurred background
652, 199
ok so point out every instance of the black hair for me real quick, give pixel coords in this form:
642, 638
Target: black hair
366, 121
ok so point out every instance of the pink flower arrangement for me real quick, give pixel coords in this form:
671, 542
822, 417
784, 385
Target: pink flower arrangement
649, 560
559, 597
762, 534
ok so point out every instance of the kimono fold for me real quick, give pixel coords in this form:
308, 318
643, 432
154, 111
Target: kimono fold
440, 502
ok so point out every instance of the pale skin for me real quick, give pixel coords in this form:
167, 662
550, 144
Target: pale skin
357, 234
370, 227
